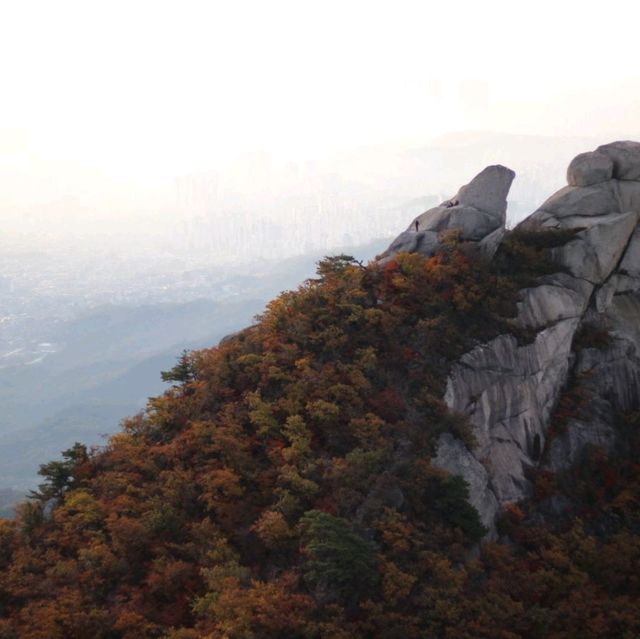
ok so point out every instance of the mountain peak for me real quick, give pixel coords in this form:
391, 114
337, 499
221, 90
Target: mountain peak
335, 470
511, 391
477, 212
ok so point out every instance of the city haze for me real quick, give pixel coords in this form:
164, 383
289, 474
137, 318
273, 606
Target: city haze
107, 106
166, 168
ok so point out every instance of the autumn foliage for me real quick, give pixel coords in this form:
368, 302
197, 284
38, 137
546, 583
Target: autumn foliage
282, 488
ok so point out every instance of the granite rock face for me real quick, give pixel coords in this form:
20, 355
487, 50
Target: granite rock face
589, 168
510, 390
477, 212
596, 251
626, 159
455, 457
488, 191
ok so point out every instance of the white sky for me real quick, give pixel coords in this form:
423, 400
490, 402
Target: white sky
147, 90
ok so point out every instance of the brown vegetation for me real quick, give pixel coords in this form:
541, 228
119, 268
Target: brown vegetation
282, 488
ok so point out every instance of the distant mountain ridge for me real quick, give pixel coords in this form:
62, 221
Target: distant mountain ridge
107, 364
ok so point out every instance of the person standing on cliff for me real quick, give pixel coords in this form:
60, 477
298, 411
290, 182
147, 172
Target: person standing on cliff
417, 225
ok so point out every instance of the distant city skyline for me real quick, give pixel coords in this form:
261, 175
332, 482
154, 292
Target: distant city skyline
108, 102
259, 208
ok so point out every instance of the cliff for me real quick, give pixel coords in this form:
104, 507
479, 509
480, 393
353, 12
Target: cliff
510, 390
441, 443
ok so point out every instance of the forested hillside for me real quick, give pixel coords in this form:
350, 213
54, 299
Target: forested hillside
284, 486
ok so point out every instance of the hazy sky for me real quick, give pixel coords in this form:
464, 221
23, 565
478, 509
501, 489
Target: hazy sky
144, 90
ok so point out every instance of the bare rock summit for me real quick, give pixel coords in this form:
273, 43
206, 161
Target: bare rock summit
477, 212
589, 168
626, 159
509, 390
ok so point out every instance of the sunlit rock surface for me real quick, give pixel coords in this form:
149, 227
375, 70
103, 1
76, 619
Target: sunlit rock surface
477, 212
589, 168
510, 390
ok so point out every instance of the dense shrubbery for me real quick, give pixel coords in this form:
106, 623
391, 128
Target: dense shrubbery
282, 488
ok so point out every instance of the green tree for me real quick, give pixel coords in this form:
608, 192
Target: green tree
335, 264
451, 502
183, 372
338, 560
60, 475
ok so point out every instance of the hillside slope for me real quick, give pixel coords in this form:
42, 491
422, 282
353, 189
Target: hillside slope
295, 480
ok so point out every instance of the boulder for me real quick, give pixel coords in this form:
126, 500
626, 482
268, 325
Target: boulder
488, 191
489, 244
472, 223
575, 203
479, 208
423, 242
596, 251
589, 168
477, 211
551, 302
626, 159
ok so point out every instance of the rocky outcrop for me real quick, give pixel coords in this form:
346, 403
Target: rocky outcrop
510, 390
626, 159
477, 212
596, 250
455, 457
589, 168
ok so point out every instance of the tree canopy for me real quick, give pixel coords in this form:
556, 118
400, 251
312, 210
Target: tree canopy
283, 487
